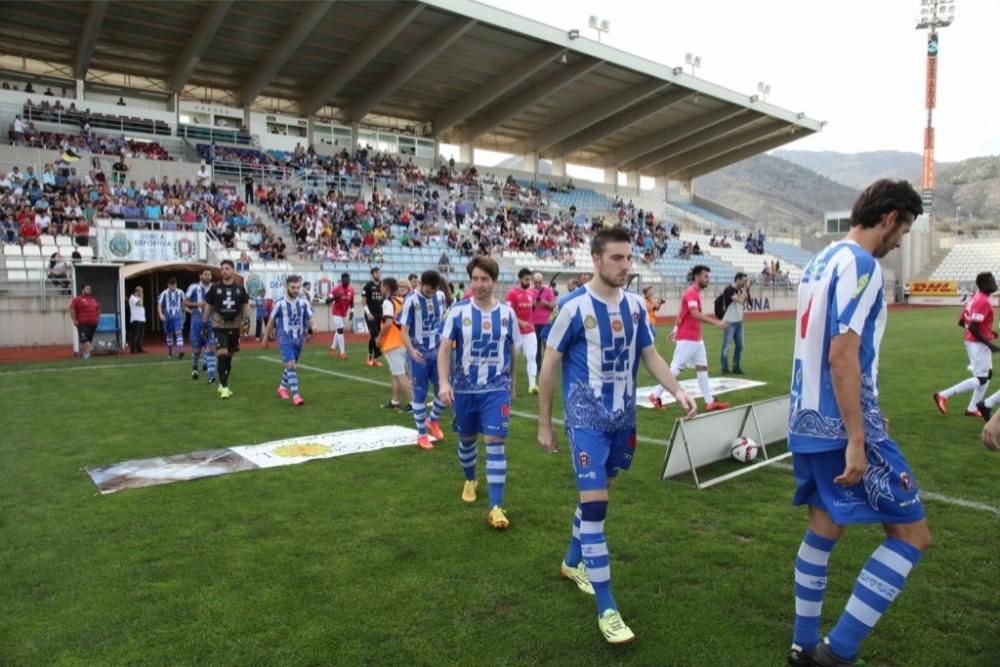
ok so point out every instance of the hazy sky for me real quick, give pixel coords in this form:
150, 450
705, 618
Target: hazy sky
857, 64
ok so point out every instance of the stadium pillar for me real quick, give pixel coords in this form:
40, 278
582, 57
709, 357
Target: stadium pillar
661, 184
79, 89
686, 193
466, 153
632, 181
355, 136
611, 177
311, 120
530, 163
559, 167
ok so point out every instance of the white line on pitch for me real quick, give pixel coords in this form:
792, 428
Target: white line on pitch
84, 366
930, 495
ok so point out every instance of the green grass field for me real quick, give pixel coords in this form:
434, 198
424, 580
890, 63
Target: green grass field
373, 559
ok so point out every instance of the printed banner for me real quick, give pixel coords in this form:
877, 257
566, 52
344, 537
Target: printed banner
719, 385
933, 288
213, 462
139, 245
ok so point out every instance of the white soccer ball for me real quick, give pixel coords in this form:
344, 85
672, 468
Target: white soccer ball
744, 449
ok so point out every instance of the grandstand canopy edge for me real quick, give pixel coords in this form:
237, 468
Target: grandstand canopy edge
456, 70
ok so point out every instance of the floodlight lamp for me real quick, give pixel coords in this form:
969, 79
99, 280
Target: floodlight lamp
573, 34
605, 26
689, 58
594, 21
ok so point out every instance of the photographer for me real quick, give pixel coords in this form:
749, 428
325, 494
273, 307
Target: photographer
652, 304
734, 298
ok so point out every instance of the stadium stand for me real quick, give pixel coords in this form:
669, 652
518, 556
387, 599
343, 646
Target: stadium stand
55, 112
965, 260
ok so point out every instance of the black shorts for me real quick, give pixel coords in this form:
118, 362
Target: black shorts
227, 339
86, 332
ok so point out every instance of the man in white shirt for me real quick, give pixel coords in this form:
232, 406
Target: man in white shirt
138, 326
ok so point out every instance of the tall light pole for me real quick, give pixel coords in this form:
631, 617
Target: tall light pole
694, 61
764, 89
934, 14
602, 26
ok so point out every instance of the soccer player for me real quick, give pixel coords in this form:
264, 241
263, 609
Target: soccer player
847, 469
420, 328
480, 386
522, 300
194, 303
372, 294
227, 307
598, 335
342, 298
390, 340
290, 316
690, 349
170, 308
977, 320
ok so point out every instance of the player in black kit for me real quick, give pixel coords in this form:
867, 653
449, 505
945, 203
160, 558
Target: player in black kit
372, 294
227, 307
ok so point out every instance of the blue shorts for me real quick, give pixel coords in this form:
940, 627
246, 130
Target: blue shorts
487, 413
291, 348
173, 325
886, 494
599, 455
423, 376
194, 336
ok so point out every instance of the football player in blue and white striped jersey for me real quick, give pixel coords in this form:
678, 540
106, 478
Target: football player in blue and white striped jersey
290, 317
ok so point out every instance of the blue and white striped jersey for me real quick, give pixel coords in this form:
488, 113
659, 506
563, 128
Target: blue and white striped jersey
421, 317
172, 303
291, 318
196, 294
841, 290
600, 342
485, 342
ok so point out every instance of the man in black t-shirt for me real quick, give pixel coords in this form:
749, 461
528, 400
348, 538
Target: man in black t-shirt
248, 188
372, 294
734, 299
227, 307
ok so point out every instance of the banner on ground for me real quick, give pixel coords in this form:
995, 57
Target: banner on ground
143, 245
719, 385
213, 462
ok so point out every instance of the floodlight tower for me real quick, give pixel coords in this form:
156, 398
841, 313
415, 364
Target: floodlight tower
934, 14
602, 26
694, 61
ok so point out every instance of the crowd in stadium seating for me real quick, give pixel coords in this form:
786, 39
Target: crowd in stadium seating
56, 112
26, 134
250, 157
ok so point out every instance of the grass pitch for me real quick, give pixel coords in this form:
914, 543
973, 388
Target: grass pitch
373, 559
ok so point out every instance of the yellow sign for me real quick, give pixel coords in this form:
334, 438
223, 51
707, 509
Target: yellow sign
933, 288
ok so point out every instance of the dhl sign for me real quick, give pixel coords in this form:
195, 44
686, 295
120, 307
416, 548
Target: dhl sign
934, 288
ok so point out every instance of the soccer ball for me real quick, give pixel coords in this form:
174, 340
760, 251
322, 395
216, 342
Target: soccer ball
744, 449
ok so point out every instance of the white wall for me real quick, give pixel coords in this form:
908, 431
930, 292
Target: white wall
138, 108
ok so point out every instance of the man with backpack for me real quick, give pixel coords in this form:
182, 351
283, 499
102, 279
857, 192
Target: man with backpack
729, 308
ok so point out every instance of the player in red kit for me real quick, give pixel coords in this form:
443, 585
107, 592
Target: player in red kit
521, 299
977, 319
690, 350
342, 298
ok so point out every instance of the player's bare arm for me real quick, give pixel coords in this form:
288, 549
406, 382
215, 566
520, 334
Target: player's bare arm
845, 372
445, 392
408, 344
551, 363
660, 371
702, 317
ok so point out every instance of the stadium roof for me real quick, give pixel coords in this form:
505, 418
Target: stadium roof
460, 70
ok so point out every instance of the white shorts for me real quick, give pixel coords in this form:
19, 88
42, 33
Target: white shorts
528, 345
397, 360
688, 354
338, 322
980, 358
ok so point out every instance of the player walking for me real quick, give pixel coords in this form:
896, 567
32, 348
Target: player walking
372, 295
420, 327
170, 308
598, 335
977, 319
227, 308
690, 349
290, 316
847, 469
194, 303
522, 300
342, 298
480, 386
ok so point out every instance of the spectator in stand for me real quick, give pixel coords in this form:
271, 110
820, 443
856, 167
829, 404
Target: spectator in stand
19, 130
58, 270
86, 313
248, 189
204, 175
120, 102
444, 262
119, 171
81, 232
30, 233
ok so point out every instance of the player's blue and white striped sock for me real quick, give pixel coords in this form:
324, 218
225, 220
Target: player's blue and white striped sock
284, 377
496, 472
595, 552
194, 359
293, 381
419, 415
573, 554
436, 409
810, 587
467, 457
210, 360
180, 341
879, 583
170, 345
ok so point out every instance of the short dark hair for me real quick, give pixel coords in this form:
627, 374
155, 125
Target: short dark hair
483, 263
606, 236
524, 272
345, 275
171, 280
229, 262
739, 274
374, 269
885, 196
411, 276
294, 278
431, 278
983, 280
391, 284
697, 270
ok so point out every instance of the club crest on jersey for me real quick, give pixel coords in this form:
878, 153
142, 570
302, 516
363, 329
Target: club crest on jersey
617, 326
905, 481
584, 459
467, 322
635, 318
590, 322
486, 326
